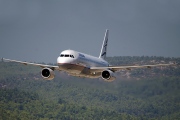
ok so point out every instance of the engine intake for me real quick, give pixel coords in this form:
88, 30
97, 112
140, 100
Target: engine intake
108, 75
47, 74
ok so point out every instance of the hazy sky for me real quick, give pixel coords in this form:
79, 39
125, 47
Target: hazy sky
38, 30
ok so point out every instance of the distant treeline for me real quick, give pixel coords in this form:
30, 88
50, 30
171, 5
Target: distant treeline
25, 95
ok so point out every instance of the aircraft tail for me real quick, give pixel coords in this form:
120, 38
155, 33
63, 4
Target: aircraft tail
104, 46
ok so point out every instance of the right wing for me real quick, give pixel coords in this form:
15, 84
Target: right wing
116, 68
35, 64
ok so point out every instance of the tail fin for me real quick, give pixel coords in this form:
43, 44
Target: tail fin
104, 46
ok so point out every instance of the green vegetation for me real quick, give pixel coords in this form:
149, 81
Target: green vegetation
145, 94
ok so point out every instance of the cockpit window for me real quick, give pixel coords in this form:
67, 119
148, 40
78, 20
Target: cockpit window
62, 55
72, 56
66, 55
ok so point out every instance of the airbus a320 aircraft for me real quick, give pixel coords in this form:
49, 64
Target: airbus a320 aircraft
83, 65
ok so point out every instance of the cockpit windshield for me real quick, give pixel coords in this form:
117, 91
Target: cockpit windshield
67, 55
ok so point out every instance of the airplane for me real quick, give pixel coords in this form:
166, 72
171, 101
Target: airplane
84, 65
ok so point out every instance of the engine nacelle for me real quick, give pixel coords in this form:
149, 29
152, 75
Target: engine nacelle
47, 74
108, 75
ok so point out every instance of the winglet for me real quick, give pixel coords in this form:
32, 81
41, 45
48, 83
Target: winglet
104, 45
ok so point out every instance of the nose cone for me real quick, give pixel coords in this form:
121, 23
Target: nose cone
61, 60
67, 56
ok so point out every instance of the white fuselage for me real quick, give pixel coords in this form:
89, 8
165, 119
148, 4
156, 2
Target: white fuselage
78, 64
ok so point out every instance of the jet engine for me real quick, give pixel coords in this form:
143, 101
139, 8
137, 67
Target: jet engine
47, 73
108, 75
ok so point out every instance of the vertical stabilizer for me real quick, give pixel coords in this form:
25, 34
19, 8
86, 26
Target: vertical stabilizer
104, 46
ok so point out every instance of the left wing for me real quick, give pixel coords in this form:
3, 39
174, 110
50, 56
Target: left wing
35, 64
116, 68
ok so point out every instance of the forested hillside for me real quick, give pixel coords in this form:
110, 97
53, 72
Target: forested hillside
134, 95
